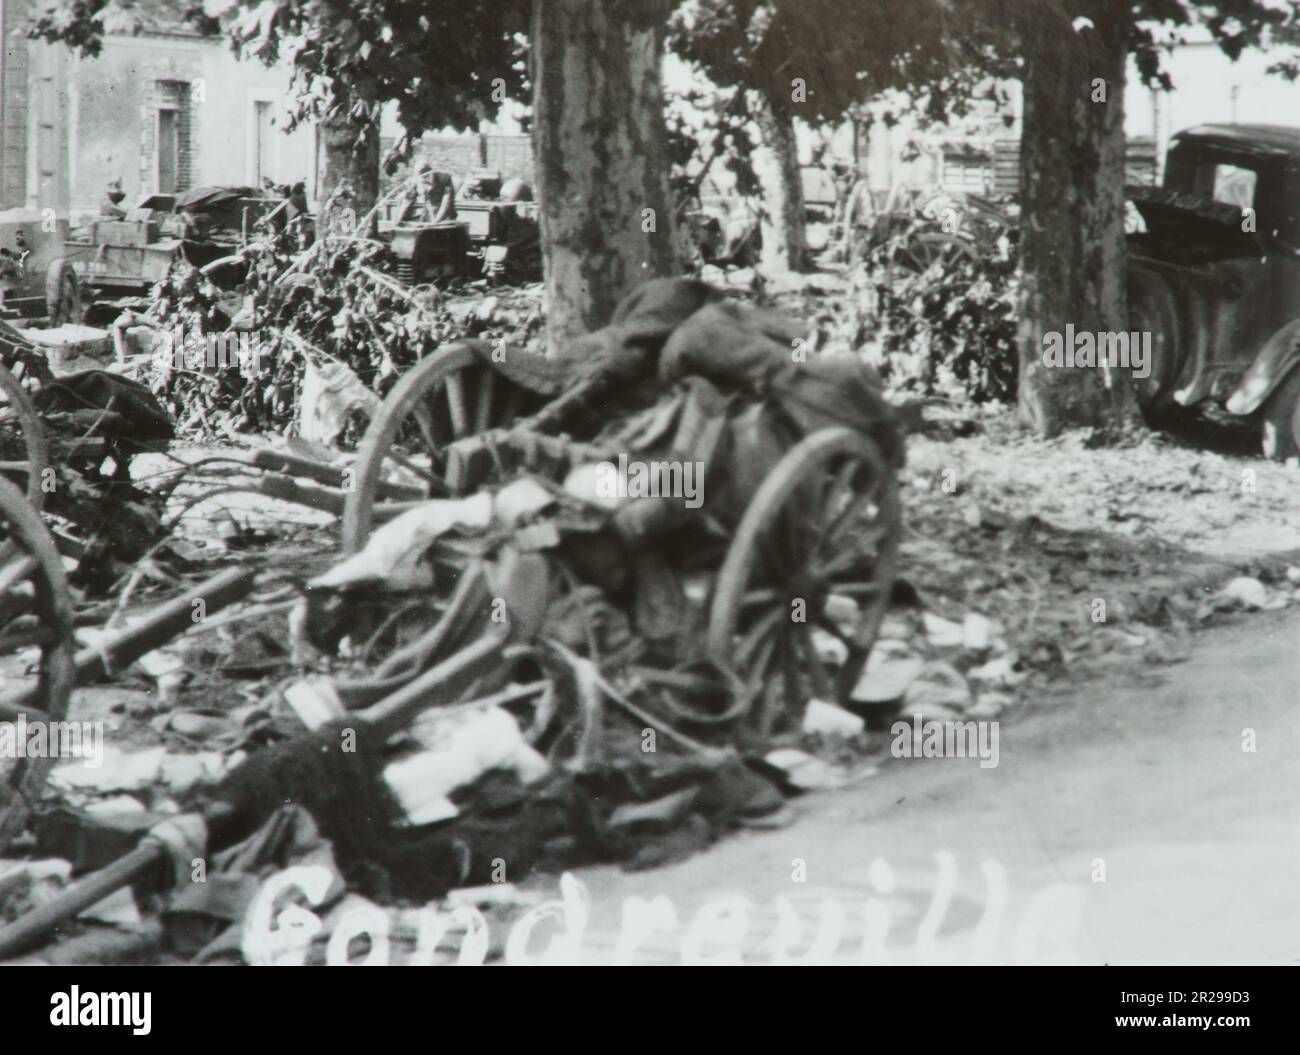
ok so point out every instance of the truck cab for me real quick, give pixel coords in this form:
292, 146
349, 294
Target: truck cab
1215, 277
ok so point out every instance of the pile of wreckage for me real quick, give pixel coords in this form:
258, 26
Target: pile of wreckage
587, 609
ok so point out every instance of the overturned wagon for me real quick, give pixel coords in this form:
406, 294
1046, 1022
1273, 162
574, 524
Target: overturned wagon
691, 473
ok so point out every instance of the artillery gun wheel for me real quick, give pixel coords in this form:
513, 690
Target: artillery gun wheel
447, 396
930, 247
824, 522
62, 293
35, 613
24, 455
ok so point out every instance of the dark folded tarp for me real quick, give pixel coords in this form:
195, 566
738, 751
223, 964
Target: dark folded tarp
207, 199
129, 410
682, 375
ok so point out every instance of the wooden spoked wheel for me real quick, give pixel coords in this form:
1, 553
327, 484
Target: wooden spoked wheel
930, 247
824, 522
23, 452
37, 673
450, 395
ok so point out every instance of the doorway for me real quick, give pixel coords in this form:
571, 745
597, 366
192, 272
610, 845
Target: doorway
168, 150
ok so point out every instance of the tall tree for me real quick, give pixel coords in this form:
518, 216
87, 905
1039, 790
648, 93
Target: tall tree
348, 173
816, 61
601, 155
1073, 56
601, 158
1072, 152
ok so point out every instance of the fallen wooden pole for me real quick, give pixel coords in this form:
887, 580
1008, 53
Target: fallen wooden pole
331, 475
294, 465
387, 716
27, 931
121, 649
287, 489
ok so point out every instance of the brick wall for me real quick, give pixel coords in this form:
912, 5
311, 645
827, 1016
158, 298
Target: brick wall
512, 156
13, 105
167, 95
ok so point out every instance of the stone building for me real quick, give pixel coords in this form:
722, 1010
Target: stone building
163, 108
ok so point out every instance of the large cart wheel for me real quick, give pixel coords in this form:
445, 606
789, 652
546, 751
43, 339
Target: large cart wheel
23, 452
62, 293
923, 250
825, 521
447, 396
35, 617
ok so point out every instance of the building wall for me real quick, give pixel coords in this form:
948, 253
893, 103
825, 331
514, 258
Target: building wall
512, 156
108, 111
1210, 88
13, 104
1207, 88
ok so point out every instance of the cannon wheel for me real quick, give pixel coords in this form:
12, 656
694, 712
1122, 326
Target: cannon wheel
21, 429
447, 396
929, 247
62, 292
825, 521
35, 612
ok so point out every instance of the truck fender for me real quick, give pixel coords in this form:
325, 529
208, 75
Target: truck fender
1280, 353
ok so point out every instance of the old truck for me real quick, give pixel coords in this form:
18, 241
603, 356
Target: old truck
495, 232
1215, 277
108, 258
503, 226
31, 243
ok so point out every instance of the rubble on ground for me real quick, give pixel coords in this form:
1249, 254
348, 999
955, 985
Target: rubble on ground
326, 712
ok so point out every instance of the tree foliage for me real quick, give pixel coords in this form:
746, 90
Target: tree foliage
844, 51
441, 64
822, 61
444, 65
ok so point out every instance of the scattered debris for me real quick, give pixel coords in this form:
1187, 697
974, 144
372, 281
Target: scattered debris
516, 660
1243, 592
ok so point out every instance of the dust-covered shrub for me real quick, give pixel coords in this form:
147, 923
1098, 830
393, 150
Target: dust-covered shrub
333, 302
935, 310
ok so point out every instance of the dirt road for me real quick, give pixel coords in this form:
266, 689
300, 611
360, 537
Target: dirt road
1124, 823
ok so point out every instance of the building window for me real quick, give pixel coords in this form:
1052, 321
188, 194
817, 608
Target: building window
264, 142
168, 151
166, 158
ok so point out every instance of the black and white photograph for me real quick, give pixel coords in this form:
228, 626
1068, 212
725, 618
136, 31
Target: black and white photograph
651, 482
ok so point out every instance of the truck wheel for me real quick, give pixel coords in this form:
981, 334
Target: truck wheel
1282, 419
62, 293
1152, 308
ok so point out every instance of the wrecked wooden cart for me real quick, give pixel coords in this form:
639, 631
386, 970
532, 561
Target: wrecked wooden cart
789, 554
66, 499
498, 553
67, 441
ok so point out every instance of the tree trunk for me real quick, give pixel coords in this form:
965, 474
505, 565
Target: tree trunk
600, 151
785, 234
348, 152
1072, 209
